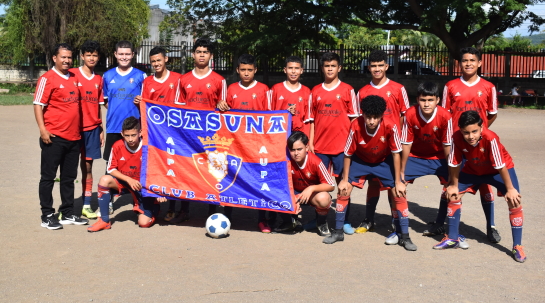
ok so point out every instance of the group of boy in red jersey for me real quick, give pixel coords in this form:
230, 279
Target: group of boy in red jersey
373, 135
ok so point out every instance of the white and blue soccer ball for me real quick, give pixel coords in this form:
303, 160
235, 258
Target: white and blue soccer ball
218, 226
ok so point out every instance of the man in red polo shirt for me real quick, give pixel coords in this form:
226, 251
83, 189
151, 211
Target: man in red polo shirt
57, 111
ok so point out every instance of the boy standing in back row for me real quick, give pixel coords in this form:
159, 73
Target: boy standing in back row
332, 108
92, 137
397, 103
57, 111
471, 92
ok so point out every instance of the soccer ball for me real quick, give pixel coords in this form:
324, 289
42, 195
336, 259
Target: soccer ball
218, 226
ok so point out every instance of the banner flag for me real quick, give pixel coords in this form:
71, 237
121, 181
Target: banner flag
235, 158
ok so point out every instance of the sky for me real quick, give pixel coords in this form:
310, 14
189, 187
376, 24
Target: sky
539, 9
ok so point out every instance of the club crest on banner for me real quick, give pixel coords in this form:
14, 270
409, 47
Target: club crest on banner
217, 167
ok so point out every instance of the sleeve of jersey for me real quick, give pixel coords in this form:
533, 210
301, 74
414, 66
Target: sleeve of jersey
493, 101
43, 91
350, 146
496, 155
101, 93
105, 88
447, 132
403, 100
269, 100
311, 110
407, 136
395, 142
325, 177
182, 93
145, 94
353, 109
446, 102
112, 162
223, 90
229, 99
455, 156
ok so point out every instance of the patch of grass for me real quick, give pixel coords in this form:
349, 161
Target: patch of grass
19, 99
15, 88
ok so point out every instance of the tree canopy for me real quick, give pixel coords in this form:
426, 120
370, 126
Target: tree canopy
458, 23
35, 26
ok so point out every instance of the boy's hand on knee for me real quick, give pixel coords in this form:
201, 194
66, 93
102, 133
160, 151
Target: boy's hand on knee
344, 188
513, 198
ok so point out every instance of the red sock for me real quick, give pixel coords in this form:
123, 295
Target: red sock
402, 206
516, 216
87, 188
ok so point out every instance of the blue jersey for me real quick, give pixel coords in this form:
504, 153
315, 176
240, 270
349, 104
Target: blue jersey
120, 91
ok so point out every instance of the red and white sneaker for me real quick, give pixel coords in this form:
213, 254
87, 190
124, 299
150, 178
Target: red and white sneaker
264, 227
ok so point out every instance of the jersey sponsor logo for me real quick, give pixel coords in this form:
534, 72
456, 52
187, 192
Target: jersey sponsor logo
216, 163
133, 167
328, 105
88, 92
208, 85
254, 96
161, 97
188, 86
61, 86
122, 159
457, 94
244, 103
171, 85
281, 98
152, 90
112, 81
199, 93
338, 97
469, 102
131, 80
517, 221
122, 89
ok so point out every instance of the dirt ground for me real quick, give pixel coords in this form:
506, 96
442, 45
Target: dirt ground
179, 263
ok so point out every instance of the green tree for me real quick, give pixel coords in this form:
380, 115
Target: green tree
458, 23
34, 26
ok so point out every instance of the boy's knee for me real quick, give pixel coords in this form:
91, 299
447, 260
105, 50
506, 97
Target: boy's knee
145, 221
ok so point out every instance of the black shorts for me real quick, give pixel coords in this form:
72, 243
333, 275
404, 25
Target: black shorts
111, 138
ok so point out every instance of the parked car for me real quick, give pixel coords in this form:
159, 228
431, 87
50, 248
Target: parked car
538, 74
406, 67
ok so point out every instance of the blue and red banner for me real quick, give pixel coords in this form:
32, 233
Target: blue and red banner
236, 158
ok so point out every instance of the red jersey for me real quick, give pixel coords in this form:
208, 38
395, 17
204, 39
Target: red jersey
59, 94
166, 91
428, 136
125, 160
313, 172
485, 158
460, 96
91, 96
395, 95
331, 110
203, 92
283, 97
372, 148
254, 97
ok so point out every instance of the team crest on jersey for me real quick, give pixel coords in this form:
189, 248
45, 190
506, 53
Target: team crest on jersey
416, 127
482, 149
208, 85
254, 96
464, 150
300, 99
171, 85
517, 221
292, 172
309, 174
131, 80
388, 93
96, 85
382, 139
435, 128
479, 93
217, 167
338, 97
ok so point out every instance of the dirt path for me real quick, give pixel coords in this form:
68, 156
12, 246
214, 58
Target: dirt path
167, 263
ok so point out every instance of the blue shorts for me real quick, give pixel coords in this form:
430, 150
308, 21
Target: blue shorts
417, 167
337, 161
361, 171
90, 144
146, 206
468, 183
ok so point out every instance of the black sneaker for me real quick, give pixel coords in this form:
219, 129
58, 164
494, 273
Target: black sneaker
493, 234
51, 222
336, 235
73, 219
406, 242
285, 227
323, 230
435, 229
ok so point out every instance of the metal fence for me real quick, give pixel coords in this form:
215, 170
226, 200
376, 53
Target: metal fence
407, 60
